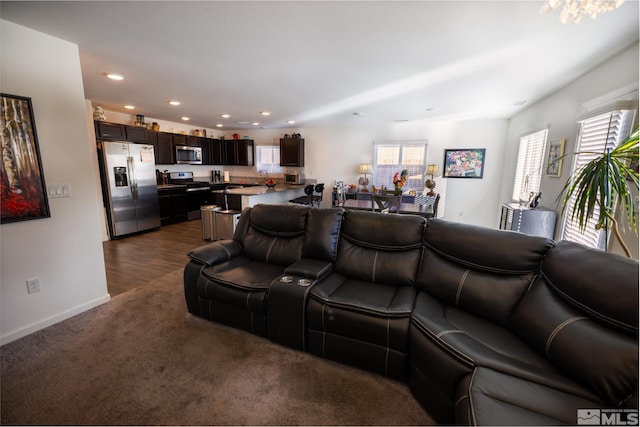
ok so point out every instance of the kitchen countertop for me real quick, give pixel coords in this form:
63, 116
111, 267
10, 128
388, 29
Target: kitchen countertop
261, 189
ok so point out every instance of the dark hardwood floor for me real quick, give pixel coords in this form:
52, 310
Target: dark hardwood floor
135, 260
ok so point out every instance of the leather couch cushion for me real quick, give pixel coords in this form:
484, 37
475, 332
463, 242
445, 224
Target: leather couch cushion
275, 234
380, 248
500, 251
478, 342
589, 352
361, 310
322, 234
479, 270
602, 285
488, 397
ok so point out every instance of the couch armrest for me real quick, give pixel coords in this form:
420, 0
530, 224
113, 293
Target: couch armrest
310, 268
216, 252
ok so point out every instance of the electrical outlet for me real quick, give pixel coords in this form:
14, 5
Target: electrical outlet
33, 285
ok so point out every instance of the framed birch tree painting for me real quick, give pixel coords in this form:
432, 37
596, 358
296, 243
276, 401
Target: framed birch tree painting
22, 188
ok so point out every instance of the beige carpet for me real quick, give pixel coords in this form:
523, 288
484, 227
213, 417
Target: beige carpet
142, 359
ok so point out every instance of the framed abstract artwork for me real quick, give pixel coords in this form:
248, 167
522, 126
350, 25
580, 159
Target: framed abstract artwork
464, 163
23, 193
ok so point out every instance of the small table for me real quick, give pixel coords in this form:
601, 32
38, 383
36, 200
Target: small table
405, 208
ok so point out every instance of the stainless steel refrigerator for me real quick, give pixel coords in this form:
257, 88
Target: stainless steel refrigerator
129, 187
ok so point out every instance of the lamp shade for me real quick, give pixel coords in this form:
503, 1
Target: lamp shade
365, 168
432, 170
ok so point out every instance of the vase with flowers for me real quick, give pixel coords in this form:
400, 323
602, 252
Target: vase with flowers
399, 181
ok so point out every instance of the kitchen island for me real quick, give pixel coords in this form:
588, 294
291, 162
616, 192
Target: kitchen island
251, 196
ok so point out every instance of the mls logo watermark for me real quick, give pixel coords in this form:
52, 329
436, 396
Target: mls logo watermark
608, 417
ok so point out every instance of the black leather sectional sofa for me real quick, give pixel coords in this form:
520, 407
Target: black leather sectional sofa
488, 327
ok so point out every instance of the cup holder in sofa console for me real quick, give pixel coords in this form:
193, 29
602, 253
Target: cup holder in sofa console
287, 310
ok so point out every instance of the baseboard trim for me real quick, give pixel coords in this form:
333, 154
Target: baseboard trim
52, 320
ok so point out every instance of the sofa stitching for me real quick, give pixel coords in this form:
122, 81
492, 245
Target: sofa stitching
386, 358
461, 285
477, 266
324, 330
557, 330
373, 270
449, 331
471, 407
381, 247
273, 242
279, 233
464, 358
597, 314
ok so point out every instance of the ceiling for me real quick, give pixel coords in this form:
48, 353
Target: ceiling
325, 63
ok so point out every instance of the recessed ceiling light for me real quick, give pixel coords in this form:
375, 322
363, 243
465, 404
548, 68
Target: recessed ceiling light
114, 76
219, 125
129, 107
244, 122
255, 124
225, 115
265, 113
185, 118
291, 122
175, 103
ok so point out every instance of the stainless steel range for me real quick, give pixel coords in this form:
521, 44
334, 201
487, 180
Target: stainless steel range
198, 192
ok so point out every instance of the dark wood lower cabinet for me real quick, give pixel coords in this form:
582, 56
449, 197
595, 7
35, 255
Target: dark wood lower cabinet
173, 205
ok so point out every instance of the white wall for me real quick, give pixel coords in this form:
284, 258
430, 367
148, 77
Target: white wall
64, 251
559, 112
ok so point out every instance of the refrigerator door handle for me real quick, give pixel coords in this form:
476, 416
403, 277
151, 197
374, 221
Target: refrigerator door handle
133, 184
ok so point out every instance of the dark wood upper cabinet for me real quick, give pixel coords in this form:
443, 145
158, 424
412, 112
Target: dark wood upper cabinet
291, 152
136, 134
194, 141
238, 152
106, 130
179, 139
165, 153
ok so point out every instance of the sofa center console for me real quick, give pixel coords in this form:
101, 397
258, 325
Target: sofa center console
287, 308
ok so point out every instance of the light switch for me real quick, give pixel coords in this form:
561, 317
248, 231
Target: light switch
59, 190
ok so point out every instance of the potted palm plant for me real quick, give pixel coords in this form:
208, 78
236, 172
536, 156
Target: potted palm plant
606, 182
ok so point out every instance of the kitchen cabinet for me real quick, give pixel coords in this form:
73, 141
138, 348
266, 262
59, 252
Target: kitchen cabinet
110, 131
535, 222
291, 152
238, 152
179, 139
194, 141
215, 154
173, 205
136, 134
165, 153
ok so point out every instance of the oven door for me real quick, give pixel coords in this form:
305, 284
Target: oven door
196, 198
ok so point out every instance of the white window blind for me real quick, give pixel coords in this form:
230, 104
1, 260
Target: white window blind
394, 157
268, 158
597, 134
529, 167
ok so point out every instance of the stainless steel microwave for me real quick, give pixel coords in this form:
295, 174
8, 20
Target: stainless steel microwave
293, 178
186, 154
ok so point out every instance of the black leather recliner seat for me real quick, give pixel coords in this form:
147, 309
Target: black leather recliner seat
491, 343
360, 313
488, 327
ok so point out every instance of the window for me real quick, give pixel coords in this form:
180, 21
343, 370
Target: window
268, 158
529, 167
390, 158
596, 135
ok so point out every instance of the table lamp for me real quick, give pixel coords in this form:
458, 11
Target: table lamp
364, 169
430, 183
